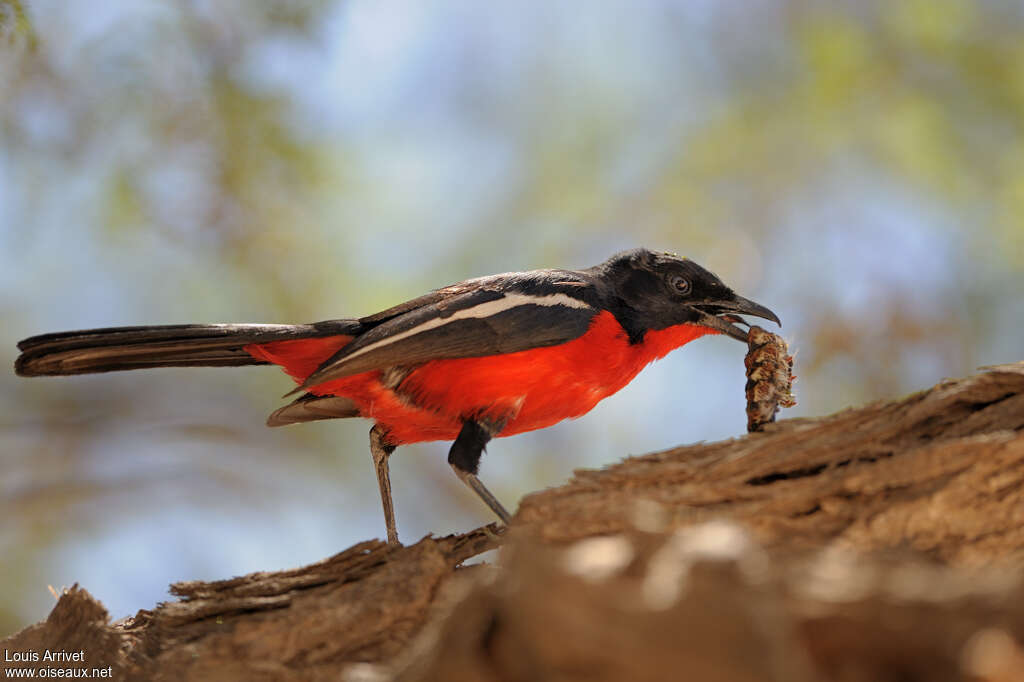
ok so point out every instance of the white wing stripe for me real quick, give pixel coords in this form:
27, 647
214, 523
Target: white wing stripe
479, 311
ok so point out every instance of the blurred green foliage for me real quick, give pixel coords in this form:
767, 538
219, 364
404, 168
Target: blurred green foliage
15, 24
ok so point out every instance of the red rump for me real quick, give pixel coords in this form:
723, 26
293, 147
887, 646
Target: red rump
530, 389
299, 357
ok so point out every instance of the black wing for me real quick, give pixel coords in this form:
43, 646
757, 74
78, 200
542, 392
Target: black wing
488, 316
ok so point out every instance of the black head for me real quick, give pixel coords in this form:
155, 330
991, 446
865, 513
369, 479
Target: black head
655, 290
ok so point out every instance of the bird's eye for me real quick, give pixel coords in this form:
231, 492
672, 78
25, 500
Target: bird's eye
680, 284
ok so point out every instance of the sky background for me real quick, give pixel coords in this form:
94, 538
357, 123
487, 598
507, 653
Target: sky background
856, 166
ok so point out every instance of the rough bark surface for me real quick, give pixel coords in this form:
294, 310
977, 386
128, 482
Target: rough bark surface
880, 543
939, 472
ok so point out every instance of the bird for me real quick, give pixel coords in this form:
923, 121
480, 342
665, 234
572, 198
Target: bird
483, 358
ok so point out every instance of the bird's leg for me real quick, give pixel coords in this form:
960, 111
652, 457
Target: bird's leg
464, 457
381, 450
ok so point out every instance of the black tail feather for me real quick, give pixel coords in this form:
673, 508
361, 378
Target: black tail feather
309, 407
177, 345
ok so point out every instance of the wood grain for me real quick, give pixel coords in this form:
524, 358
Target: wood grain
879, 543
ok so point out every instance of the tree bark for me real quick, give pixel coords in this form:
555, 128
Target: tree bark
879, 543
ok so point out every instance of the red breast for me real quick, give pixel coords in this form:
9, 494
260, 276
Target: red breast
533, 388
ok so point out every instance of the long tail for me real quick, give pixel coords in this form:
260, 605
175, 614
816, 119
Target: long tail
177, 345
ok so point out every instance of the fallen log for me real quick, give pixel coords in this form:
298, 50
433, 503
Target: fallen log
880, 543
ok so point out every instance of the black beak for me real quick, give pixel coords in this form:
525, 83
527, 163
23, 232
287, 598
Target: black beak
722, 314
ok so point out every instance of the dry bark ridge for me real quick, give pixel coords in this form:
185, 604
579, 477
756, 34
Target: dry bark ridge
879, 543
